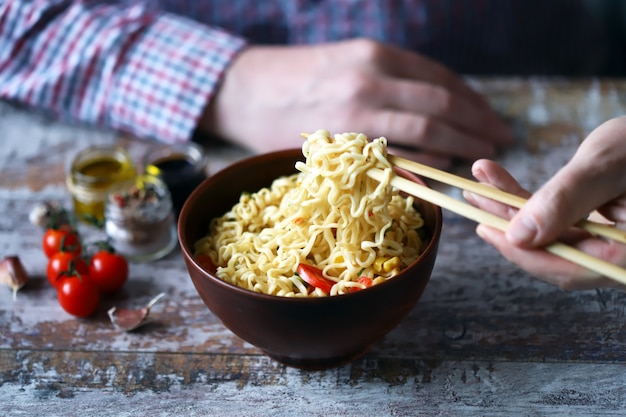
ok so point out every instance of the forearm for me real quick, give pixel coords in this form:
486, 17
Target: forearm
130, 68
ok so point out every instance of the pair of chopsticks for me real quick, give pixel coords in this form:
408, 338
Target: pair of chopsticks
468, 211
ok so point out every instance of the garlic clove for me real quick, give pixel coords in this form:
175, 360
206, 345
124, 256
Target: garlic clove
49, 213
13, 274
130, 319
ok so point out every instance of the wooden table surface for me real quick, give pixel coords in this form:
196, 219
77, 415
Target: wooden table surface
485, 340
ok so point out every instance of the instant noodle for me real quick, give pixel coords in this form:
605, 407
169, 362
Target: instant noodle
327, 230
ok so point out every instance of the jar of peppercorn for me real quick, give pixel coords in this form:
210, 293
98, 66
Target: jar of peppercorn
139, 220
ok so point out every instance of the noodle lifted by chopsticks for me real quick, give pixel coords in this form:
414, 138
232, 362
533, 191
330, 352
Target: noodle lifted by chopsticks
330, 215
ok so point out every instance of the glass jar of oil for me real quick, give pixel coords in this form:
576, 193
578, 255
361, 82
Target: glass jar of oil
93, 172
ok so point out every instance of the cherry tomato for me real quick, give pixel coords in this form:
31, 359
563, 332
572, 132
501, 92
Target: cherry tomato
64, 238
314, 276
78, 295
108, 270
62, 264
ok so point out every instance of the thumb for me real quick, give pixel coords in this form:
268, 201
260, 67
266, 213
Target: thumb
565, 199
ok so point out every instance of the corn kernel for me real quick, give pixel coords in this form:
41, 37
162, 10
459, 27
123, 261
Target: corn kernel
378, 264
390, 264
378, 280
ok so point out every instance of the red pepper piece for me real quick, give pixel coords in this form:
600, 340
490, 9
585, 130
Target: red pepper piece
365, 281
313, 276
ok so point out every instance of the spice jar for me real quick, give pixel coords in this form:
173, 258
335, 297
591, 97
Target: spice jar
139, 220
92, 173
181, 166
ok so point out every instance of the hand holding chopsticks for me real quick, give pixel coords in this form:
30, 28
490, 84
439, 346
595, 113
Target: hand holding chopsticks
466, 210
495, 194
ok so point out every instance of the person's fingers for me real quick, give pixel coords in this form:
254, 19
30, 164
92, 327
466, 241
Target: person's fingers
507, 212
404, 64
441, 103
551, 268
492, 173
565, 199
593, 178
484, 203
419, 132
615, 211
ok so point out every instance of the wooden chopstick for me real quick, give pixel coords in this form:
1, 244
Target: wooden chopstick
495, 194
467, 210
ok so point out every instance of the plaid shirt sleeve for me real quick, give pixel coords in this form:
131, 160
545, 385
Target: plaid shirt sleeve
121, 65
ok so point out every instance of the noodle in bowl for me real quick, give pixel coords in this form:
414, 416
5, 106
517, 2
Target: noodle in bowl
315, 331
330, 215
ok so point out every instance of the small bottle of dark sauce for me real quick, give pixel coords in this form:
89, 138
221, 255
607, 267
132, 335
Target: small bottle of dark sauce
182, 167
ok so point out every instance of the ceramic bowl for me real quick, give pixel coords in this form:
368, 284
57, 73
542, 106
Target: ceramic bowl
311, 333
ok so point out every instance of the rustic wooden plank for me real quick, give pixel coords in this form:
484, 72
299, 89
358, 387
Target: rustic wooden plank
216, 385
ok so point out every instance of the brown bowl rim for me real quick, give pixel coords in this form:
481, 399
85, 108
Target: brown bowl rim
434, 238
